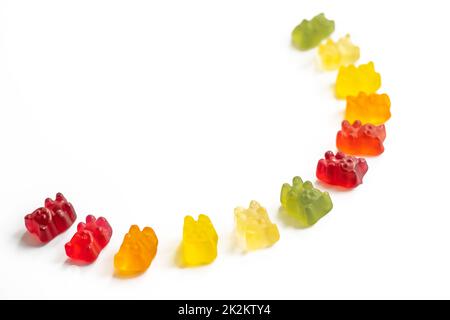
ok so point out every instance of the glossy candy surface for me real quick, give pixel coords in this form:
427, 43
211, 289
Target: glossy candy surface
309, 33
361, 140
352, 80
136, 252
368, 108
199, 244
89, 240
304, 203
254, 228
49, 221
341, 169
333, 55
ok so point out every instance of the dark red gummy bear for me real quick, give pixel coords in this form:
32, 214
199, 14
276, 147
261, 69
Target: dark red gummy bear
49, 221
341, 170
89, 240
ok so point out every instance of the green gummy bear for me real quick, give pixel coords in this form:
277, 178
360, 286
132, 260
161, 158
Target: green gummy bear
304, 202
309, 34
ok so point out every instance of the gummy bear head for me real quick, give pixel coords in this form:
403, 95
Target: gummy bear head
61, 203
348, 163
100, 229
309, 193
253, 217
347, 126
345, 162
370, 130
41, 216
321, 25
135, 239
82, 247
57, 203
201, 230
367, 68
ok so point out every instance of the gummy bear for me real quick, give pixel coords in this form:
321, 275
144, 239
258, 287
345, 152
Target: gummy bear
89, 240
368, 108
352, 80
341, 170
304, 202
254, 228
51, 220
308, 34
362, 140
136, 252
336, 54
199, 245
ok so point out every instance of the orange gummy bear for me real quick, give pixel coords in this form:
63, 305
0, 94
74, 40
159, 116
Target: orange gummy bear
136, 252
361, 140
368, 108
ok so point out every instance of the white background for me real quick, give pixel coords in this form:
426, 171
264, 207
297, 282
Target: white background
145, 111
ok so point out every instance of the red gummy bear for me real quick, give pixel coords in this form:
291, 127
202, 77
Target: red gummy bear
89, 240
49, 221
341, 170
358, 139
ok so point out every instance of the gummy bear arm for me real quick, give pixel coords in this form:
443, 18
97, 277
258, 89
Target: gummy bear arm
284, 192
81, 226
151, 234
382, 135
321, 168
71, 211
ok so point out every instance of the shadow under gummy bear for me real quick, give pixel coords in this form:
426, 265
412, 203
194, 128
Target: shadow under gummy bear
27, 240
333, 188
78, 263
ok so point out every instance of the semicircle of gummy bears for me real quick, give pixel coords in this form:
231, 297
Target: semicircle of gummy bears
362, 133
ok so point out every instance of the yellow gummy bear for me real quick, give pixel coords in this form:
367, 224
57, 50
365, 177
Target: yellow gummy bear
336, 54
136, 252
368, 108
352, 80
254, 228
199, 245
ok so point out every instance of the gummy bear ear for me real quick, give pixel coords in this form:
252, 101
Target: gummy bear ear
60, 197
48, 202
189, 221
340, 155
81, 226
297, 181
329, 155
101, 221
345, 124
357, 124
308, 185
254, 205
134, 229
90, 218
148, 231
204, 219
